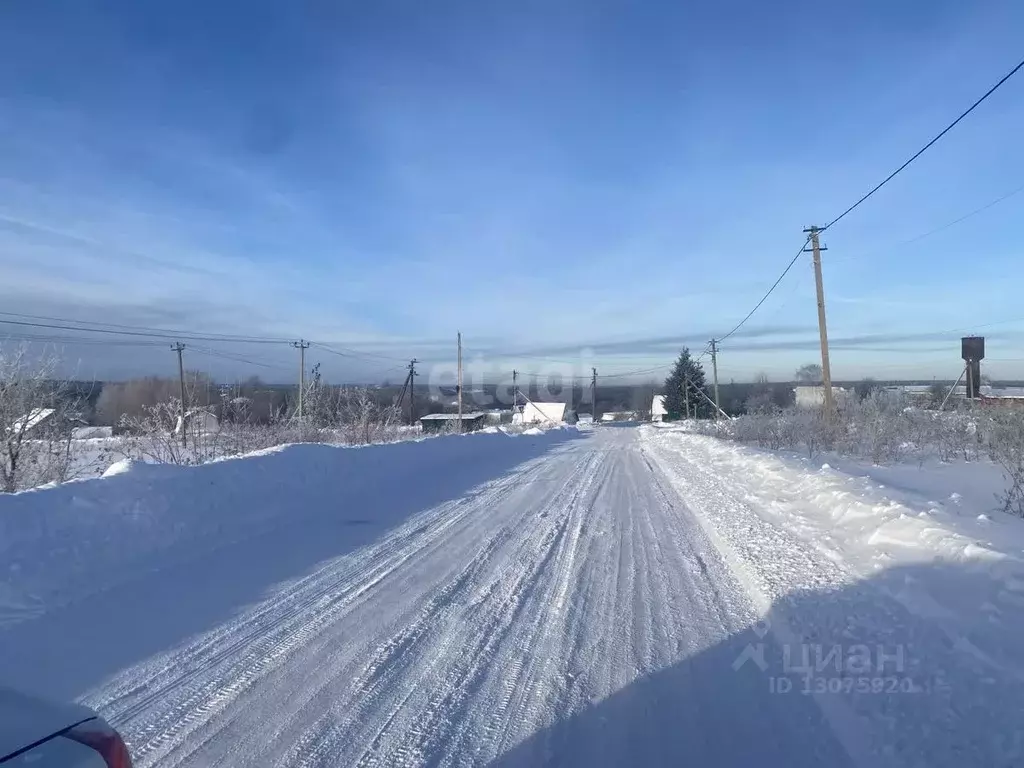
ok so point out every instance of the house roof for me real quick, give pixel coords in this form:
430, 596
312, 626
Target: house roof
33, 419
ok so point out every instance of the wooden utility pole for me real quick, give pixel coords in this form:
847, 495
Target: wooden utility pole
302, 346
458, 387
826, 370
515, 393
412, 391
179, 348
593, 393
409, 385
686, 394
714, 369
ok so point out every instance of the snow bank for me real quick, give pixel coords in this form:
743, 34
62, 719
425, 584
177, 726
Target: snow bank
61, 543
865, 521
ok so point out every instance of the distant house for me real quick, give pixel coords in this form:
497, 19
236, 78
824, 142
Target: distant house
199, 420
45, 420
658, 412
33, 420
1002, 397
813, 396
448, 422
536, 413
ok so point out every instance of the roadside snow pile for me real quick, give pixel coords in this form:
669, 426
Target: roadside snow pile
863, 521
120, 467
61, 543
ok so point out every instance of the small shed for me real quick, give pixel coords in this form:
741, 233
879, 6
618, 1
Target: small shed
449, 422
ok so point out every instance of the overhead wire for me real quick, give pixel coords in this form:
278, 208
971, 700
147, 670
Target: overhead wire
768, 293
872, 191
183, 335
135, 330
348, 352
926, 147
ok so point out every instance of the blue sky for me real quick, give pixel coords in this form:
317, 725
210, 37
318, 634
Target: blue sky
591, 182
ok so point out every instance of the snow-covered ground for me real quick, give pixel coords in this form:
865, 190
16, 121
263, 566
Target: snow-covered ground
919, 562
614, 596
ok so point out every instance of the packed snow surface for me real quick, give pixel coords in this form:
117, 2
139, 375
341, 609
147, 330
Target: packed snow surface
616, 596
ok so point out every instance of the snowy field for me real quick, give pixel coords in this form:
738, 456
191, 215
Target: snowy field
616, 596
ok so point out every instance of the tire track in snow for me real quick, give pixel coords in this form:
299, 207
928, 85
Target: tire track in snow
479, 627
157, 710
460, 653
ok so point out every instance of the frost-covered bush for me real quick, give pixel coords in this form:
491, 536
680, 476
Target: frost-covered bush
1005, 441
883, 427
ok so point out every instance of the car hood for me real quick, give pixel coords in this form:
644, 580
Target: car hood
25, 720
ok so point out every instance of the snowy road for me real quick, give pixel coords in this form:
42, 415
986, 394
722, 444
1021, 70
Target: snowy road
619, 596
571, 612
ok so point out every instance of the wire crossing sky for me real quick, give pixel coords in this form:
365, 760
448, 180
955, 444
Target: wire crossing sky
593, 182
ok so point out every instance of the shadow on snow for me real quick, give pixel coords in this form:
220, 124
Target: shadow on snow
925, 693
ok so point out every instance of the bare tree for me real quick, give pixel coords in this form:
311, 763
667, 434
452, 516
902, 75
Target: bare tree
37, 419
363, 419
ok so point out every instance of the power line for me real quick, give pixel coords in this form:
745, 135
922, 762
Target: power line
115, 329
934, 230
54, 339
975, 212
768, 292
235, 358
187, 335
348, 352
925, 148
102, 327
877, 187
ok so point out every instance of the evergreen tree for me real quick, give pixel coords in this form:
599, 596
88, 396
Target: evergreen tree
675, 404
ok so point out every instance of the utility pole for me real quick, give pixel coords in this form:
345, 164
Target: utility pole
826, 370
515, 393
714, 369
179, 348
302, 346
593, 393
409, 386
686, 394
459, 385
412, 391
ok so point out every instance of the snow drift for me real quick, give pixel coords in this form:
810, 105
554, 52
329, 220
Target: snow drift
60, 543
